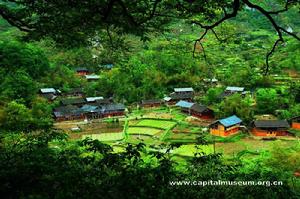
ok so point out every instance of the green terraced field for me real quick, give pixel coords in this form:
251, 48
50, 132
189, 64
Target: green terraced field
106, 136
189, 150
142, 131
156, 123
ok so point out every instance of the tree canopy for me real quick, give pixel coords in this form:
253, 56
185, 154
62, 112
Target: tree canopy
77, 22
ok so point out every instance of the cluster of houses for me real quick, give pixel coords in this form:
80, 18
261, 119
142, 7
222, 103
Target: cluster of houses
75, 106
230, 125
265, 128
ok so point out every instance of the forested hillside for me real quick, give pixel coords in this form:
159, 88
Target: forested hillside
133, 58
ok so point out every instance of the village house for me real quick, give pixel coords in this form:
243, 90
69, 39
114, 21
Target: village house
151, 103
186, 94
295, 122
91, 78
73, 101
110, 110
87, 111
100, 102
230, 90
270, 128
91, 112
69, 112
82, 71
225, 127
201, 112
93, 99
49, 93
185, 106
196, 110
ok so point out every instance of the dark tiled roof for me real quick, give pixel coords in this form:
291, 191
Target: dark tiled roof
88, 108
113, 107
152, 101
67, 110
296, 118
271, 124
100, 102
179, 96
72, 101
199, 108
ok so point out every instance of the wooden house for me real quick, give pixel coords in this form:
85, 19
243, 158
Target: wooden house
151, 103
230, 90
225, 127
184, 90
295, 122
110, 110
68, 112
73, 101
91, 78
185, 106
100, 102
82, 71
202, 112
93, 99
91, 112
49, 93
185, 94
48, 90
270, 128
234, 89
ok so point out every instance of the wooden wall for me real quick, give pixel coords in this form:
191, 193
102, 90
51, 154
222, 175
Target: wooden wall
261, 132
222, 131
295, 125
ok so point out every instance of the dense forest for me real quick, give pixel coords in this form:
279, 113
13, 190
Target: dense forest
142, 50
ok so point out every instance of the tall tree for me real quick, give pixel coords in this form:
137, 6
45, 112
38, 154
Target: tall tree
17, 117
29, 58
267, 100
18, 86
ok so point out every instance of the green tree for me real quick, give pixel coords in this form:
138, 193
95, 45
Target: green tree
236, 105
29, 58
41, 114
18, 86
212, 95
17, 117
267, 100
